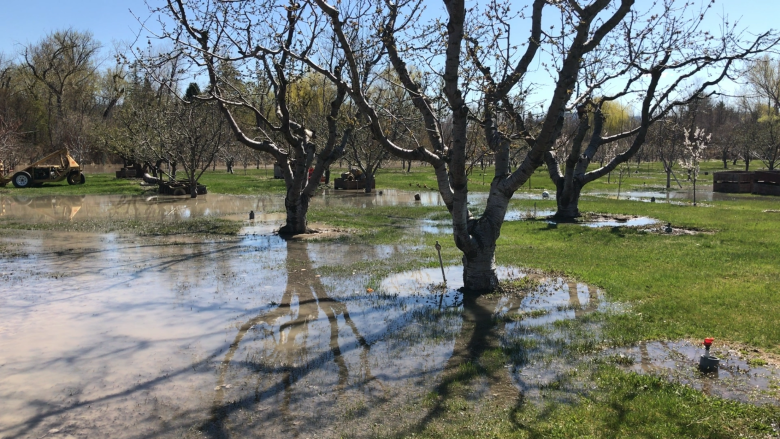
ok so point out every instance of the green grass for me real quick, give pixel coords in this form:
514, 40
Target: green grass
619, 405
650, 176
723, 284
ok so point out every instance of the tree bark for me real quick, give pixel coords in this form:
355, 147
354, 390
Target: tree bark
297, 206
479, 258
193, 188
369, 182
479, 270
567, 200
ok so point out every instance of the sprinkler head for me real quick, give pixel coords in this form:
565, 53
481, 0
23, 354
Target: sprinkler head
707, 362
438, 246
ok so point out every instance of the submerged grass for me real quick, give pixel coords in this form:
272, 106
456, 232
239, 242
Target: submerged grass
203, 225
679, 286
721, 284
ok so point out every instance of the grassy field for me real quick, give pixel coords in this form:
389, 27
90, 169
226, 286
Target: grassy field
250, 181
722, 283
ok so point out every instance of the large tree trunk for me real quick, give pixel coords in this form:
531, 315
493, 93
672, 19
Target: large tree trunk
479, 256
296, 206
479, 269
567, 200
369, 182
193, 188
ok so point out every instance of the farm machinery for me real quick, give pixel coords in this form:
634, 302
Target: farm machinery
55, 167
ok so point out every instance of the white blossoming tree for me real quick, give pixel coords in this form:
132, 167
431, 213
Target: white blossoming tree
695, 143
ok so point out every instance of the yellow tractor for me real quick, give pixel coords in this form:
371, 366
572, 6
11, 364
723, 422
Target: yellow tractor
55, 167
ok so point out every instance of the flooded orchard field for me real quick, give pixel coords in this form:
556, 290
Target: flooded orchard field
127, 336
199, 336
153, 207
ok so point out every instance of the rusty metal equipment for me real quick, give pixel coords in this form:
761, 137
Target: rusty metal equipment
354, 179
174, 187
55, 167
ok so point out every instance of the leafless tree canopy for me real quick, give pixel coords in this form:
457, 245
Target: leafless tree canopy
514, 73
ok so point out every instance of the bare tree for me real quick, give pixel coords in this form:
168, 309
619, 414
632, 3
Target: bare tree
230, 40
666, 136
668, 44
9, 138
192, 135
472, 64
764, 79
467, 68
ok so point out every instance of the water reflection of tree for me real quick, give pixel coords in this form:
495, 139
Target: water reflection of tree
478, 351
286, 354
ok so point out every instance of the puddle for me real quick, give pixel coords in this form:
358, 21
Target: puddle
520, 215
640, 221
128, 337
602, 220
527, 325
676, 196
735, 379
541, 349
156, 208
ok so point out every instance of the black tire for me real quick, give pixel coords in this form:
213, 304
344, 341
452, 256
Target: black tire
179, 191
76, 178
22, 179
22, 200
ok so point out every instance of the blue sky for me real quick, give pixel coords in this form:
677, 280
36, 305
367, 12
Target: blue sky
27, 21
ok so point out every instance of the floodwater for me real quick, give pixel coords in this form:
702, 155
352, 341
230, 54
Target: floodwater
122, 336
117, 336
703, 194
639, 221
736, 378
113, 335
540, 348
152, 207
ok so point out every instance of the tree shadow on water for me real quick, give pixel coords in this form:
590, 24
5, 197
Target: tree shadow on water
285, 356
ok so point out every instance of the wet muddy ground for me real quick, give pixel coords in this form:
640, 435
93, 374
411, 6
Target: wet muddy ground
155, 208
741, 376
124, 336
129, 337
